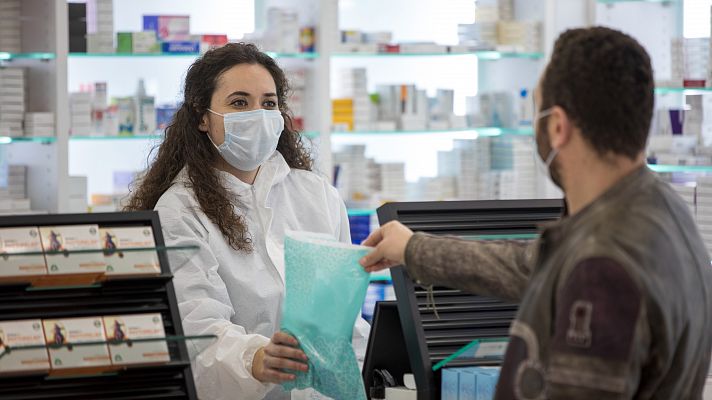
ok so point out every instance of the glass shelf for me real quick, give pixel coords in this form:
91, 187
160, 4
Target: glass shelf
478, 350
634, 1
485, 131
33, 56
310, 135
683, 90
108, 138
203, 339
357, 212
8, 139
66, 253
484, 55
680, 168
184, 55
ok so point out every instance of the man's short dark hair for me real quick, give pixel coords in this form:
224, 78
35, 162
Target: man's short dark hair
603, 79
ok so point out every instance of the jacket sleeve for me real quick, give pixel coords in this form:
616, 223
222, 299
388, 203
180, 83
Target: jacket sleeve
490, 268
224, 366
601, 337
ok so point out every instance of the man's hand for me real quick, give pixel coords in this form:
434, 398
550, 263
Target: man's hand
390, 242
280, 355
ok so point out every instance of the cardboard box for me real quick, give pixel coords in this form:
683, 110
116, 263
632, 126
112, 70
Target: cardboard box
131, 262
72, 237
142, 326
73, 331
22, 333
166, 26
21, 240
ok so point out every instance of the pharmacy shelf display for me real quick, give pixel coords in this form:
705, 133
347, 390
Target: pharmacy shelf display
88, 301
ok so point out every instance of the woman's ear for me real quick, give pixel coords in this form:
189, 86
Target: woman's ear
204, 123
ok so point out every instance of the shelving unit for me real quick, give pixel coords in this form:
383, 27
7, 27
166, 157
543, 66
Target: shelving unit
4, 56
98, 295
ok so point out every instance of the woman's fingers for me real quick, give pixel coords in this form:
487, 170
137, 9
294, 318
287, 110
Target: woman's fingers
285, 352
279, 363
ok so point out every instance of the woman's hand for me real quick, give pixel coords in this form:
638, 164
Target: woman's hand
390, 242
280, 355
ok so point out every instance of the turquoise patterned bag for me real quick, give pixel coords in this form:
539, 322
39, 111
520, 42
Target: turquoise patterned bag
325, 289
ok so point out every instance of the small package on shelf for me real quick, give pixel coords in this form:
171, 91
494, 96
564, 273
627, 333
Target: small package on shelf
61, 332
132, 327
17, 334
68, 239
21, 240
120, 262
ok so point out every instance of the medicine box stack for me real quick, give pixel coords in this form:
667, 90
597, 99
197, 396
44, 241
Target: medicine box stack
173, 33
100, 26
393, 184
13, 188
355, 174
137, 42
133, 327
704, 210
39, 124
523, 36
13, 100
282, 34
515, 156
21, 334
59, 239
80, 108
10, 28
471, 383
297, 101
119, 261
355, 85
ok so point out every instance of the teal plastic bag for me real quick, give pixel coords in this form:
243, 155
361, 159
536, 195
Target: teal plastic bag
325, 289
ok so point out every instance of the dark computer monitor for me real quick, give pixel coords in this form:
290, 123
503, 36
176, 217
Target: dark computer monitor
386, 348
462, 317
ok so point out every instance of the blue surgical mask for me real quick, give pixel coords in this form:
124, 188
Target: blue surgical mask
251, 137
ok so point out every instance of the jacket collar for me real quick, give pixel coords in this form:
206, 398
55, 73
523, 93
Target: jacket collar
272, 172
618, 194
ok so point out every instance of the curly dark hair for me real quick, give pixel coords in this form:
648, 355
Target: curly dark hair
603, 79
184, 146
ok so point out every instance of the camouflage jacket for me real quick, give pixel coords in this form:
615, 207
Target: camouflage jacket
615, 301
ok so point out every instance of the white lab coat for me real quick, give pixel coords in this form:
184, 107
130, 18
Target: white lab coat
238, 296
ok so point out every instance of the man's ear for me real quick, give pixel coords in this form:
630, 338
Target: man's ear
560, 128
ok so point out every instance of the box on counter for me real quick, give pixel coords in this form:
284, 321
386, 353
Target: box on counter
131, 327
129, 262
21, 240
181, 47
73, 331
69, 238
22, 333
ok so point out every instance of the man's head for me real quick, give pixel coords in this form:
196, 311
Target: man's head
595, 99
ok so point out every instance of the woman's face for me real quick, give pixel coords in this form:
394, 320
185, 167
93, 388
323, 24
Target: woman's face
244, 87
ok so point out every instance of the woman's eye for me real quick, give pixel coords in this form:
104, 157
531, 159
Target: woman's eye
239, 103
269, 104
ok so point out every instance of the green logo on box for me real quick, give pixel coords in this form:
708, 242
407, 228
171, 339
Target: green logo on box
54, 267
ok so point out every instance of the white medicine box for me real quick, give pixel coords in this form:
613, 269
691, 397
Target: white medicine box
71, 238
132, 327
18, 334
115, 241
73, 331
21, 240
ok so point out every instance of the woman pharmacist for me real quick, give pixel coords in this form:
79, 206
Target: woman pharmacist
231, 177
